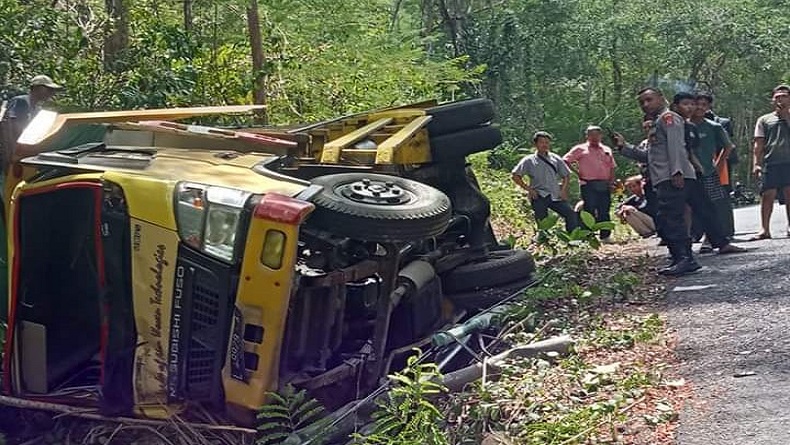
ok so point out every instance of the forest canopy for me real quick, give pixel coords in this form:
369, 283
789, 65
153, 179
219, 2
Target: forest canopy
552, 64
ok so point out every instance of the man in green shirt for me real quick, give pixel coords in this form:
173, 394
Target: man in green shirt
712, 150
772, 157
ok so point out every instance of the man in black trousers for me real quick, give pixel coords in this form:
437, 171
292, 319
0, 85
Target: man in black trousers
675, 180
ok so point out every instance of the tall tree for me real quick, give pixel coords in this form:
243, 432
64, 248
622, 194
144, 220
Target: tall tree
188, 19
118, 37
258, 58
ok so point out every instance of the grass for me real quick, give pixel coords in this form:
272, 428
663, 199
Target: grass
613, 387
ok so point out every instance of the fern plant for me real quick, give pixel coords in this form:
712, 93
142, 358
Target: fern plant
408, 416
289, 411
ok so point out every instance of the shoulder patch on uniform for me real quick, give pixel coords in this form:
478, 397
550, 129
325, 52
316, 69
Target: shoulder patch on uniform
668, 119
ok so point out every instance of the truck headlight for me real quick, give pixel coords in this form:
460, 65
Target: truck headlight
209, 218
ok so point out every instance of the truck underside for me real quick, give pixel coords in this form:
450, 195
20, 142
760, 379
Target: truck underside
393, 254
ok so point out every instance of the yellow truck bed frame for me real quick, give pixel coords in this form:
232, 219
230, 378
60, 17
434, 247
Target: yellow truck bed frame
392, 136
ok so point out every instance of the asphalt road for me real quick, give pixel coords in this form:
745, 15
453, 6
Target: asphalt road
734, 340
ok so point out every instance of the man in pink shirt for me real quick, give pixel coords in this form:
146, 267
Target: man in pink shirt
594, 163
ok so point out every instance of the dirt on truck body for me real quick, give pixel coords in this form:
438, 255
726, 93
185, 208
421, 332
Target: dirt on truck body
156, 265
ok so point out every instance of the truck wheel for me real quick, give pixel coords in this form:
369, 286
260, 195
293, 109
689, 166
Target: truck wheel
489, 296
379, 208
454, 116
497, 268
463, 143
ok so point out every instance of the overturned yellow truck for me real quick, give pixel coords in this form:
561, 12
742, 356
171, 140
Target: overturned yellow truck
156, 265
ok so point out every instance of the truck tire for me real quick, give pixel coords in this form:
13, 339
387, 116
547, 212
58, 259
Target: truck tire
379, 208
454, 116
463, 143
499, 267
489, 296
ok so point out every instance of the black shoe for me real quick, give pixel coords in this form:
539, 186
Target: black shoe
671, 261
683, 267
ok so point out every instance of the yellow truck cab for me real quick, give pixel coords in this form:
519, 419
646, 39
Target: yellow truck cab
154, 266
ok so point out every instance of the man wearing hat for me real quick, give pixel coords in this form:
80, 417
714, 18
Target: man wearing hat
548, 181
772, 157
24, 107
594, 163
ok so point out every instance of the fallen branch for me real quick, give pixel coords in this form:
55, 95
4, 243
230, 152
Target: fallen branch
81, 413
456, 380
344, 420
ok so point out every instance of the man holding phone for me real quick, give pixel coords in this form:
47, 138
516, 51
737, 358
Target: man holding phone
675, 180
772, 157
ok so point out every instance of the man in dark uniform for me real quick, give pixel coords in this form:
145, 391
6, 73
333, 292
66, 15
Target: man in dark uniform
676, 184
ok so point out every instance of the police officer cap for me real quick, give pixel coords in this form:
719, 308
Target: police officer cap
592, 128
541, 134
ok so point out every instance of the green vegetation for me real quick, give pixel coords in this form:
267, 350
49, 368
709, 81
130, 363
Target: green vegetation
552, 64
606, 391
288, 411
558, 64
408, 414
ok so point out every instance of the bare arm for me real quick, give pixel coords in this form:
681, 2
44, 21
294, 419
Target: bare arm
571, 159
723, 155
519, 180
759, 152
726, 146
695, 162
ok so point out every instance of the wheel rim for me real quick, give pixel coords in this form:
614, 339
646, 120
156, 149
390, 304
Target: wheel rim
372, 191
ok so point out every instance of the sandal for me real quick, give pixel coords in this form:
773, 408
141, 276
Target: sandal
760, 236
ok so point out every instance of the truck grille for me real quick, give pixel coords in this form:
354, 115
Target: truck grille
203, 310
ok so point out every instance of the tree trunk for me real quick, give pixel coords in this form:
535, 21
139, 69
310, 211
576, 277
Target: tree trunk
118, 38
452, 25
188, 16
427, 19
617, 73
258, 60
